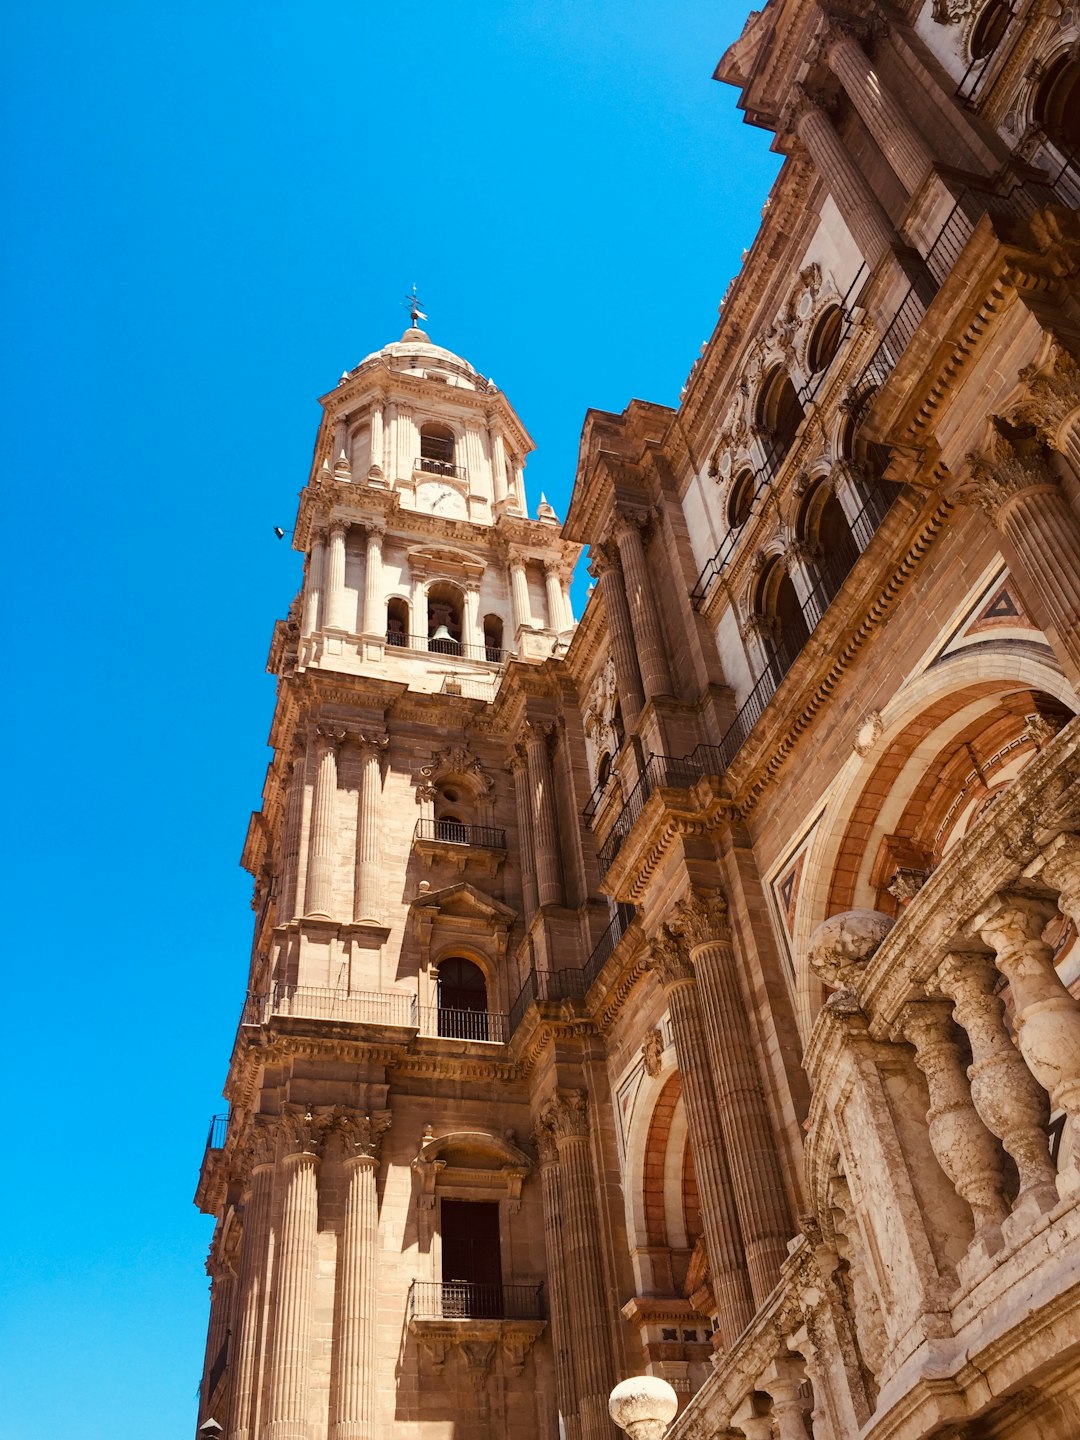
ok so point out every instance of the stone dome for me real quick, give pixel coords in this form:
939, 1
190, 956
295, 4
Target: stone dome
415, 354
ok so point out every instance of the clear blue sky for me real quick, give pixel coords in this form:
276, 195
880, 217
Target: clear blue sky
211, 211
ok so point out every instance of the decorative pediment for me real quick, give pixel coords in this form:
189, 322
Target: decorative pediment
445, 560
464, 902
470, 1160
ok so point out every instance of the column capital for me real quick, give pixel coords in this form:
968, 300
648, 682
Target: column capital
1053, 393
375, 529
367, 741
1062, 870
670, 959
301, 1132
604, 557
1013, 921
361, 1134
566, 1114
338, 526
700, 918
802, 101
538, 732
1011, 465
329, 736
517, 761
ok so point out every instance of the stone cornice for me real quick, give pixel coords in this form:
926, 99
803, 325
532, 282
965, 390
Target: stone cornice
668, 815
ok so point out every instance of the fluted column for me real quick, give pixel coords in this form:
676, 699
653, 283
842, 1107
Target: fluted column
964, 1147
352, 1400
566, 1118
1047, 1014
378, 438
390, 420
754, 1165
651, 650
498, 465
519, 768
294, 1281
374, 612
553, 594
720, 1221
1023, 499
418, 617
471, 632
314, 583
562, 1339
1010, 1102
369, 828
254, 1278
605, 567
335, 580
862, 212
545, 816
290, 843
319, 892
519, 592
218, 1333
880, 109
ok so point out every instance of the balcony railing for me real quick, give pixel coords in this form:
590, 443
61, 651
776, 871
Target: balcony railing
309, 1002
454, 832
463, 1300
489, 654
546, 985
450, 1024
714, 567
219, 1125
604, 947
431, 465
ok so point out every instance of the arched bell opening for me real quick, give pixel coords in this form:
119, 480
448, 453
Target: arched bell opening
397, 621
445, 605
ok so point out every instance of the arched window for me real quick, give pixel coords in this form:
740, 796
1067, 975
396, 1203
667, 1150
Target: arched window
462, 1000
825, 340
826, 527
617, 724
741, 499
493, 638
397, 621
444, 619
603, 770
989, 29
779, 414
1057, 104
437, 449
787, 632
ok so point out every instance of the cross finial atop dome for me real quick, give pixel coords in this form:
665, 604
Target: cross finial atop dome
415, 313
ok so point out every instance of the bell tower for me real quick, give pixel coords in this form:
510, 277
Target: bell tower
379, 1255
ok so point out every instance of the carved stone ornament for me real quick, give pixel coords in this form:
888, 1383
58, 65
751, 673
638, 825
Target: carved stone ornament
670, 959
652, 1052
303, 1131
1011, 464
1053, 393
261, 1145
566, 1114
906, 883
869, 733
841, 946
361, 1134
700, 918
457, 760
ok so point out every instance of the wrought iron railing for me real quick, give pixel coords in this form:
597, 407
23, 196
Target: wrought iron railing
451, 1024
808, 392
489, 654
454, 832
605, 946
546, 985
978, 69
464, 1300
310, 1002
431, 465
714, 567
219, 1125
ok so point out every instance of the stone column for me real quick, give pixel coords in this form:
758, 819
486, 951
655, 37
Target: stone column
335, 583
378, 438
498, 464
526, 843
374, 609
1052, 402
294, 1279
859, 207
471, 634
352, 1399
319, 893
565, 1117
1010, 1103
519, 592
253, 1281
565, 576
562, 1340
391, 442
605, 568
314, 582
860, 500
782, 1382
553, 593
964, 1147
1047, 1014
418, 618
723, 1240
648, 636
545, 816
802, 567
369, 828
756, 1178
290, 842
219, 1330
1021, 495
888, 121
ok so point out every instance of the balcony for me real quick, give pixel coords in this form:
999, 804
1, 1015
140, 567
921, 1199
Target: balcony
219, 1125
355, 1007
546, 985
454, 649
453, 832
434, 465
460, 1300
484, 1026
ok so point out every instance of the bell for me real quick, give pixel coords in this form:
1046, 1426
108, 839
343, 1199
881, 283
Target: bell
442, 633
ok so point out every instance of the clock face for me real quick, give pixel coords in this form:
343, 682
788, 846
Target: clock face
438, 498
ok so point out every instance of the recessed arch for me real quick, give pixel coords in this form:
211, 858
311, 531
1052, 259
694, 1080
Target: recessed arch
1056, 104
825, 339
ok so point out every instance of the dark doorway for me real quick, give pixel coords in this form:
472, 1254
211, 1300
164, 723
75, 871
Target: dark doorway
462, 1000
471, 1259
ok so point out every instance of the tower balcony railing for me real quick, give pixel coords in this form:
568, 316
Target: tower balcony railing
546, 985
465, 1300
448, 646
432, 465
311, 1002
447, 1023
219, 1125
455, 832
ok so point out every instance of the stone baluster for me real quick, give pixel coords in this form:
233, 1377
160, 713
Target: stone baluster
719, 1218
498, 465
1010, 1103
314, 583
1047, 1014
553, 594
756, 1178
253, 1281
294, 1280
964, 1147
782, 1382
526, 843
558, 1303
648, 636
378, 438
545, 816
519, 592
1023, 499
319, 893
352, 1400
374, 609
881, 111
859, 207
369, 828
335, 582
605, 568
566, 1117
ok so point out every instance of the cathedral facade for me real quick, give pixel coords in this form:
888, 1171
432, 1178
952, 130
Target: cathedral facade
691, 988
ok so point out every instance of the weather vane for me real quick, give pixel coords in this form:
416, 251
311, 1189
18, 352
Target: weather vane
415, 313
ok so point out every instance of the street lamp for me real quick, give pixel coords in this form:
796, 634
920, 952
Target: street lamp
644, 1406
